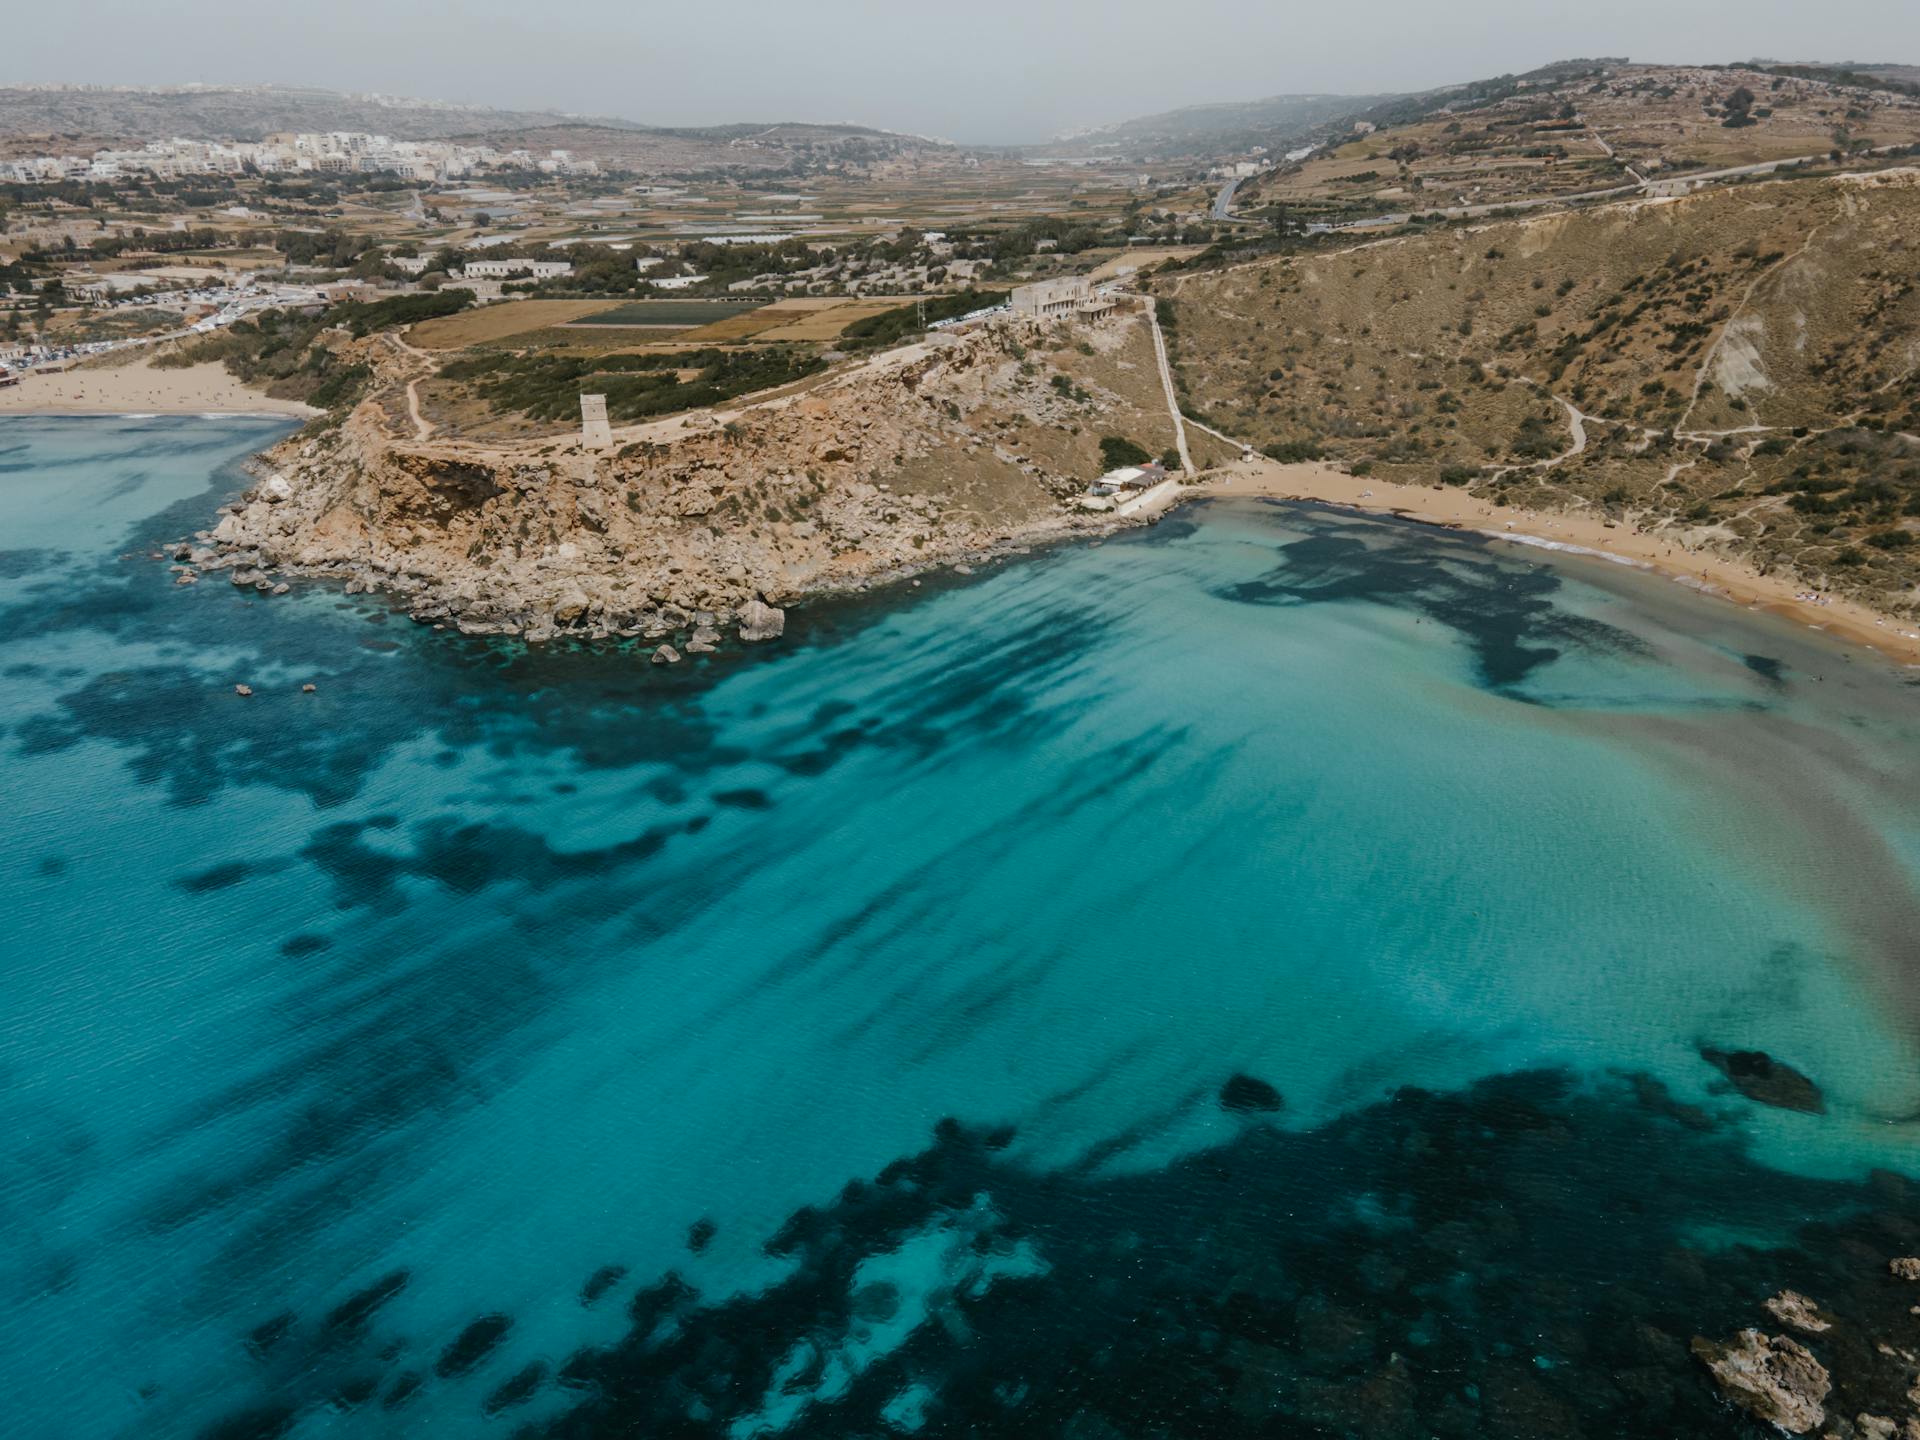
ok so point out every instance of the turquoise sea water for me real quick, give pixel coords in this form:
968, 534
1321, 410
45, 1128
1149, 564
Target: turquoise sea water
503, 1038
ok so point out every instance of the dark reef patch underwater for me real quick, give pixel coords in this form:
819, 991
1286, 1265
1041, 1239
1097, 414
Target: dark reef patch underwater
1281, 973
1518, 1259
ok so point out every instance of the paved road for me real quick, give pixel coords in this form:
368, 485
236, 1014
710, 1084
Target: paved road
1223, 202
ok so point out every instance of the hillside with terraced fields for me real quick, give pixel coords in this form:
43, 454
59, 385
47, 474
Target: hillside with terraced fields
1580, 127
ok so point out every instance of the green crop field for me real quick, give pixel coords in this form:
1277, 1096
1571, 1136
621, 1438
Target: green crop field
683, 313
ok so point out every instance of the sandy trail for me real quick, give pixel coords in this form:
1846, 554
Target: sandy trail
1703, 570
1166, 384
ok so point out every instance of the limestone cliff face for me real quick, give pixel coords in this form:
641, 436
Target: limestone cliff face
910, 459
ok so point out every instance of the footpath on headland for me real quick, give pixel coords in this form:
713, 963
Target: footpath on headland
1707, 571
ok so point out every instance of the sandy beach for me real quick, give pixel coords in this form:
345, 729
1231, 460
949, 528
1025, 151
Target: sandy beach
1703, 570
139, 389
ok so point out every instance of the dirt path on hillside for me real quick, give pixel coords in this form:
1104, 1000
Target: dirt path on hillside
1166, 384
423, 428
1707, 360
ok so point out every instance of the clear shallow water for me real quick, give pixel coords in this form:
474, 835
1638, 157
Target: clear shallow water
332, 1024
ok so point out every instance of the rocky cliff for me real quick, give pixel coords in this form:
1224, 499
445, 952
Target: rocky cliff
923, 455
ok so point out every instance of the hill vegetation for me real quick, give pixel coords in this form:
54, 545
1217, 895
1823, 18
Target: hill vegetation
1742, 366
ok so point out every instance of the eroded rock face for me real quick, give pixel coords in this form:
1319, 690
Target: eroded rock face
760, 621
1774, 1379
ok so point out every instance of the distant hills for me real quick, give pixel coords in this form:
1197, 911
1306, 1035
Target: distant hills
248, 112
253, 112
1227, 126
1281, 120
34, 117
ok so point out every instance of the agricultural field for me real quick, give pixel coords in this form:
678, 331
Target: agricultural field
809, 320
492, 324
672, 314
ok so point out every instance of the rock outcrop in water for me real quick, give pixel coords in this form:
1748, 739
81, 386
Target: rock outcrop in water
933, 454
761, 621
1774, 1379
1790, 1307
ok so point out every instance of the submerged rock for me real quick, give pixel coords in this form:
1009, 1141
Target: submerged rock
600, 1282
517, 1390
352, 1314
1774, 1379
761, 621
666, 655
472, 1345
1245, 1094
1760, 1077
269, 1333
403, 1389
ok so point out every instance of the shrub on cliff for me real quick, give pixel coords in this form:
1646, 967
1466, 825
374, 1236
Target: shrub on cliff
1293, 452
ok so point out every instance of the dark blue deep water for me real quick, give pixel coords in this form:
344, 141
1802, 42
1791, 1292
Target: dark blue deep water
1246, 977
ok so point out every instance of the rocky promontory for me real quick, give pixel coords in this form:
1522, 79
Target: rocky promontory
708, 523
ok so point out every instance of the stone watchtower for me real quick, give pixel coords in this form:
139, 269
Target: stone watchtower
595, 432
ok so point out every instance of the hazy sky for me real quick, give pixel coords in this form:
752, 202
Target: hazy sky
972, 70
